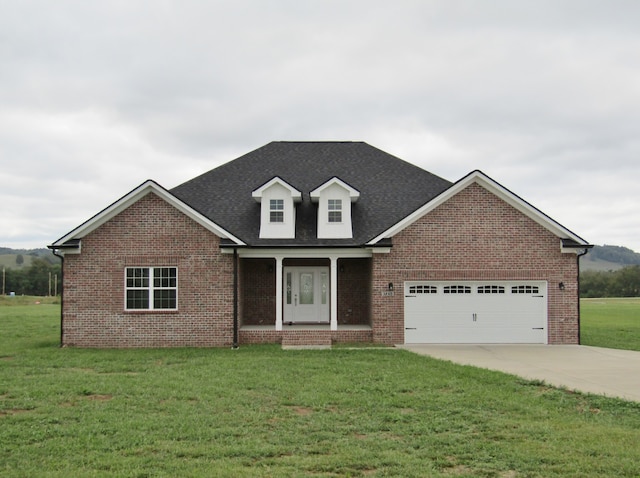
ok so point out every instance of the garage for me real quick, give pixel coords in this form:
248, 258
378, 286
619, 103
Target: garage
472, 312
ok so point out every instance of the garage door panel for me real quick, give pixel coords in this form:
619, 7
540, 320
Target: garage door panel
476, 312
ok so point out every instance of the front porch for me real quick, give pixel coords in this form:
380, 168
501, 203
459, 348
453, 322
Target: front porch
304, 299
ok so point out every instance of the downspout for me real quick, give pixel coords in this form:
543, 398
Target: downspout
578, 256
235, 298
61, 256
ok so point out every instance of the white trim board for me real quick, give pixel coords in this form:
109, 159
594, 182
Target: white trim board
134, 196
495, 188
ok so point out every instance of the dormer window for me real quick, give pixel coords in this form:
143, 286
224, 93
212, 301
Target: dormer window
334, 199
276, 210
335, 210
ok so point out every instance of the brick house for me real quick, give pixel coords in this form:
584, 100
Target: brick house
314, 243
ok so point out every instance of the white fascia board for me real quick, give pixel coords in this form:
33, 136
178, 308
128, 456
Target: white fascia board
494, 187
302, 252
574, 250
295, 194
354, 194
134, 196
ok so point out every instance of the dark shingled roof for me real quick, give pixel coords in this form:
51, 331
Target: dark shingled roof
390, 189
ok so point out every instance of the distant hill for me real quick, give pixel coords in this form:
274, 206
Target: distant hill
609, 258
22, 258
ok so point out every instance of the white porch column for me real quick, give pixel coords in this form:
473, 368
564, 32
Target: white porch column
278, 293
333, 288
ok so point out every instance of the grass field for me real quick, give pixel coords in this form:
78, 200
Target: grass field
264, 412
613, 323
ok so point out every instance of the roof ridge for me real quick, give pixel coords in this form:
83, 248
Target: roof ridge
319, 142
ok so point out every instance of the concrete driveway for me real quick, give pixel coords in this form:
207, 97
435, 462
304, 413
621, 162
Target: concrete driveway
610, 372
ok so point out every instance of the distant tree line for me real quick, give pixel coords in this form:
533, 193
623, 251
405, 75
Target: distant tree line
624, 282
41, 278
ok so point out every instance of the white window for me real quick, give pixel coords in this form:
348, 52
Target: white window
490, 289
423, 289
276, 210
151, 288
525, 289
335, 210
457, 289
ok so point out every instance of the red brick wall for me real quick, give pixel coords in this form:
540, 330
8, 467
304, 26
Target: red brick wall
258, 296
475, 236
149, 233
354, 291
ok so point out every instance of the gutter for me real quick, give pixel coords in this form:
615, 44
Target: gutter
61, 256
578, 256
235, 299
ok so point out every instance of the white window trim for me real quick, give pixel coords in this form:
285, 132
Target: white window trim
151, 289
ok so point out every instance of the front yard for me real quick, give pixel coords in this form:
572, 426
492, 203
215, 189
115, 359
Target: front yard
262, 411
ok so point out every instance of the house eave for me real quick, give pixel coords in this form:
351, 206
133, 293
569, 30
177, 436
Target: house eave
73, 246
305, 250
295, 194
131, 198
354, 194
569, 246
494, 187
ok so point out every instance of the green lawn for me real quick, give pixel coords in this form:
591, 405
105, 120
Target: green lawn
263, 412
613, 323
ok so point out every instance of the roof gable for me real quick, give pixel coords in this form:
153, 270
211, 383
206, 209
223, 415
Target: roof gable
295, 194
148, 187
354, 194
495, 188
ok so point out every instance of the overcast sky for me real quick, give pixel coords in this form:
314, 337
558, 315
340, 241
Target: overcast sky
98, 96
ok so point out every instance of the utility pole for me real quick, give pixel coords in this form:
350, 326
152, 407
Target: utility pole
3, 281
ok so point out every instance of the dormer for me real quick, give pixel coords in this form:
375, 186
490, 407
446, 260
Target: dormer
277, 200
334, 200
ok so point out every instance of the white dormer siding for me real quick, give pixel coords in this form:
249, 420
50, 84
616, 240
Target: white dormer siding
277, 201
334, 200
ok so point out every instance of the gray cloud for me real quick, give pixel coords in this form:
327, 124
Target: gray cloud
96, 97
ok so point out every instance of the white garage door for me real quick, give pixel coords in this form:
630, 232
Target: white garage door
466, 312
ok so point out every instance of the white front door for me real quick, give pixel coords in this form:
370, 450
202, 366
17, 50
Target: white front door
306, 295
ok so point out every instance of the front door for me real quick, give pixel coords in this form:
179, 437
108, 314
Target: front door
306, 295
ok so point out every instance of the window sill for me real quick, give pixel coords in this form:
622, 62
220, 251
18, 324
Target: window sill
151, 311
